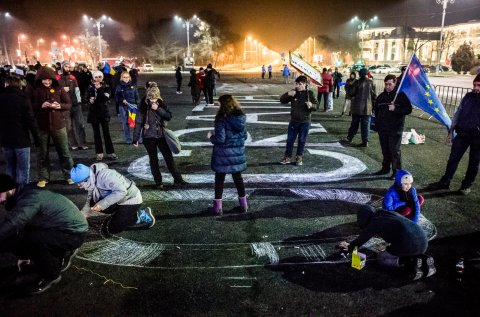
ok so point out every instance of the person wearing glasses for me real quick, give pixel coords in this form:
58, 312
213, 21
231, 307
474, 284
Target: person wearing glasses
126, 96
98, 115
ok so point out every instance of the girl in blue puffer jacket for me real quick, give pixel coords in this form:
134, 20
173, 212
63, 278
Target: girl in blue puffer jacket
402, 197
228, 156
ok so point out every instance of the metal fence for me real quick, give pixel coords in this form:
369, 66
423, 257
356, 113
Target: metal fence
449, 96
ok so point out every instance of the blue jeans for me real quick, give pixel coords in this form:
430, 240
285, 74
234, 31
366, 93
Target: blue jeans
18, 164
295, 129
459, 146
364, 122
126, 128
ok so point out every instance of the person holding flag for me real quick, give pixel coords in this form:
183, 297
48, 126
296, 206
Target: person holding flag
466, 126
127, 98
390, 109
421, 94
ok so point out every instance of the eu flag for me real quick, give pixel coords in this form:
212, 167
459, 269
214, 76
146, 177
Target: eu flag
421, 94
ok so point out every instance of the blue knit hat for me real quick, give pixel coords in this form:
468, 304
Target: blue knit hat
79, 173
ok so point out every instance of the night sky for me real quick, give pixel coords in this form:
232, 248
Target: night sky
279, 24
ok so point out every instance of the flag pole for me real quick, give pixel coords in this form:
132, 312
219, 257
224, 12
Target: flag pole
403, 77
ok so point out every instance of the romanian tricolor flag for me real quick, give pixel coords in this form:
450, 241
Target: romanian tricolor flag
132, 113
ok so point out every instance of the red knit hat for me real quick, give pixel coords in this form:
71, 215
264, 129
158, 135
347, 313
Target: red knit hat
477, 78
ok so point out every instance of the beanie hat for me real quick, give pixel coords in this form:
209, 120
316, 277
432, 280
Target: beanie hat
363, 72
6, 183
97, 73
65, 63
153, 92
407, 179
477, 78
79, 173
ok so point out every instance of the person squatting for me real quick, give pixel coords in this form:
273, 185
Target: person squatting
46, 228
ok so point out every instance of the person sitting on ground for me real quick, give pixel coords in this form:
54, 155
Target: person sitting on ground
402, 197
406, 239
40, 227
110, 192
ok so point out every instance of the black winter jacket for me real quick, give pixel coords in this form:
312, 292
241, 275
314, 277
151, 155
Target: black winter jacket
98, 111
18, 119
154, 119
391, 122
299, 111
406, 238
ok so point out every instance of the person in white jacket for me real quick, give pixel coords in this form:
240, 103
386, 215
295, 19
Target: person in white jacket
110, 192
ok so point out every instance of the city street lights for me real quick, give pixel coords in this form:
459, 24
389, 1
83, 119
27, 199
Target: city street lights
39, 41
444, 3
362, 27
186, 24
4, 16
20, 36
98, 23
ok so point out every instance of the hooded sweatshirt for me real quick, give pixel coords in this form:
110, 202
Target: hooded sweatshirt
405, 237
49, 119
396, 197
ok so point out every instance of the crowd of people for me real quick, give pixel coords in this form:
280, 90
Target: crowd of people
45, 229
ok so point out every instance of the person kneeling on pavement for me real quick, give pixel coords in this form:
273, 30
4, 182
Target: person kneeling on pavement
110, 192
407, 241
42, 229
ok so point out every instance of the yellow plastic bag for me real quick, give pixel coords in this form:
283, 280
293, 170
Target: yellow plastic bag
358, 259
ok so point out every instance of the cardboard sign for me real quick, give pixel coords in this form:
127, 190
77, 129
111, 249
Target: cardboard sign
303, 67
358, 259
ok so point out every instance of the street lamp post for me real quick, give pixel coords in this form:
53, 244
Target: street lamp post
4, 16
362, 27
444, 3
20, 36
98, 23
38, 47
187, 24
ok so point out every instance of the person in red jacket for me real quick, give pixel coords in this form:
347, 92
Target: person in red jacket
201, 82
324, 90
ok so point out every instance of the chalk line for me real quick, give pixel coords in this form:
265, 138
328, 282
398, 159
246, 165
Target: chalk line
260, 249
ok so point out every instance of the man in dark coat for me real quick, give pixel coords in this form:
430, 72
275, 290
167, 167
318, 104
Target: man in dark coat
210, 82
466, 125
18, 122
407, 241
390, 110
40, 227
363, 94
51, 105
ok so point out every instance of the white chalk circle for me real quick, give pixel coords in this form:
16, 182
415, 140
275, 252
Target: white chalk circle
351, 166
120, 251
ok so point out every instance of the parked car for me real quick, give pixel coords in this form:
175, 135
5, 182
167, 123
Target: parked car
147, 68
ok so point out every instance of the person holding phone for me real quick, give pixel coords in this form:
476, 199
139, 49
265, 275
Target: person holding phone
149, 123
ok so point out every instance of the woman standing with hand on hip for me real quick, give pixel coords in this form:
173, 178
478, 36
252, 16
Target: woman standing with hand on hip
228, 156
149, 124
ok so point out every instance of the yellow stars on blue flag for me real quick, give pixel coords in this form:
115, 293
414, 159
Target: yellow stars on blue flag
421, 93
427, 95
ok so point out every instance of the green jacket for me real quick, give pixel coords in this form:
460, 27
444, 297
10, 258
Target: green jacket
42, 209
